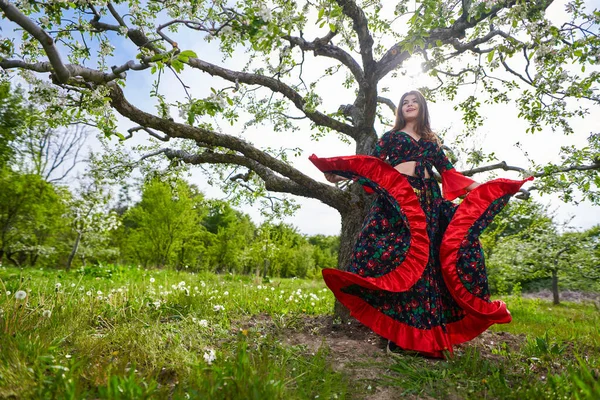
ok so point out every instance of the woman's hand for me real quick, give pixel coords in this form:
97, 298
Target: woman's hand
333, 178
472, 186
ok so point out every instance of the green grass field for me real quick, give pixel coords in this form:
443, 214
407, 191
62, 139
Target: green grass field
126, 333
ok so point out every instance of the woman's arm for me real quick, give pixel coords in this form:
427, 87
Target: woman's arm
333, 178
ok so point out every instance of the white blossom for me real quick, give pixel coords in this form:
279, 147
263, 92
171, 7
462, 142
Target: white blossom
46, 313
264, 13
218, 307
20, 295
210, 356
226, 30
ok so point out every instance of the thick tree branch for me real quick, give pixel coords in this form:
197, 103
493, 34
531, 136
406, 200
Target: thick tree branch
276, 86
207, 138
13, 14
387, 102
323, 47
88, 74
395, 56
361, 27
273, 182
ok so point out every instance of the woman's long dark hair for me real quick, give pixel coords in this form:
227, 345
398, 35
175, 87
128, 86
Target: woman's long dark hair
423, 125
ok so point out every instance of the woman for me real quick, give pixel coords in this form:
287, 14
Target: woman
417, 275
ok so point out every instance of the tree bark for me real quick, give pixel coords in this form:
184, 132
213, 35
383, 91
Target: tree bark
352, 222
73, 251
555, 294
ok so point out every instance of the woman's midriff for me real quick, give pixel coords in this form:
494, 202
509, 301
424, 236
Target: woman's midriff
408, 168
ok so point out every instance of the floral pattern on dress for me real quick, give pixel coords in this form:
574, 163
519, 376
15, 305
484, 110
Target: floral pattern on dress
471, 265
385, 239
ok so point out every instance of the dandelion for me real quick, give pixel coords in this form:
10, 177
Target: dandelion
20, 294
218, 308
210, 356
152, 280
58, 285
67, 356
99, 292
8, 292
225, 293
88, 293
202, 284
266, 299
203, 323
46, 313
72, 284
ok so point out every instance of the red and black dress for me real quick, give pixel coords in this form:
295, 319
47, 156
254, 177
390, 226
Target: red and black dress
417, 275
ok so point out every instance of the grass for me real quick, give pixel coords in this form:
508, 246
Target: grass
125, 333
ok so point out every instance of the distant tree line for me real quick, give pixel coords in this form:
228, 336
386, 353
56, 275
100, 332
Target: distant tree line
46, 223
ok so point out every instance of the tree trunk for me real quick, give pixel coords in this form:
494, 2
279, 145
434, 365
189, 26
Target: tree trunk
73, 251
352, 222
555, 294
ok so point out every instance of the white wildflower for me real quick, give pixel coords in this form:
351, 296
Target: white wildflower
210, 356
218, 308
152, 280
203, 323
58, 285
46, 313
225, 293
20, 295
8, 292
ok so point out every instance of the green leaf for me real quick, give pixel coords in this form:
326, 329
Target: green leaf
321, 13
332, 27
177, 65
490, 56
188, 54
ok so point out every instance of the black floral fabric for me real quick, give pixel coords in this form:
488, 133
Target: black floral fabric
385, 238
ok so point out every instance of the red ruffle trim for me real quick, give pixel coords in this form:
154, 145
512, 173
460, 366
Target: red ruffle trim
454, 184
395, 184
467, 213
480, 314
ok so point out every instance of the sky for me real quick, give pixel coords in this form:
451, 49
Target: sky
500, 131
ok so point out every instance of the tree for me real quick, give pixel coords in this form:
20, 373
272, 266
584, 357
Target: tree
509, 48
11, 120
91, 218
31, 218
231, 234
164, 225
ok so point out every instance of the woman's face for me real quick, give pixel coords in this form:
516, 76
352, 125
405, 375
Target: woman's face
410, 108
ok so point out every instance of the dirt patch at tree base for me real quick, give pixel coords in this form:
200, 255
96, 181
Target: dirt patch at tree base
359, 353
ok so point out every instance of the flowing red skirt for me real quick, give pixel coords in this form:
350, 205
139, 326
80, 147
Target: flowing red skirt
425, 268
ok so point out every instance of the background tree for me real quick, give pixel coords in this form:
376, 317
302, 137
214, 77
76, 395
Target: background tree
11, 119
31, 219
230, 234
164, 225
91, 219
508, 48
